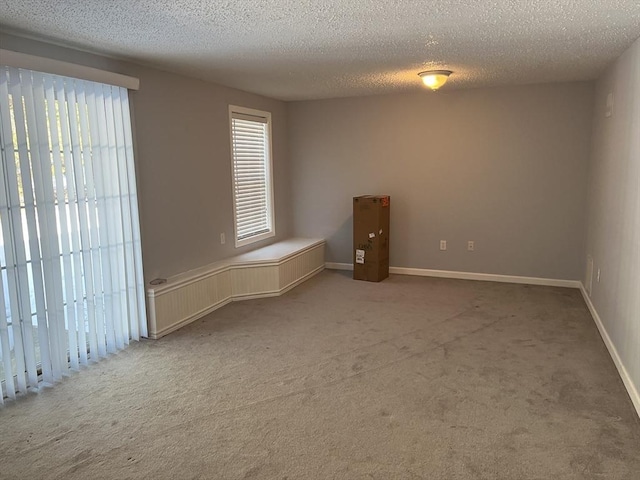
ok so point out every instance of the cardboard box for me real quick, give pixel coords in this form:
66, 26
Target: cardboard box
371, 237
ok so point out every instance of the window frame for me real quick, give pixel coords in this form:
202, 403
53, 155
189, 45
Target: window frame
236, 111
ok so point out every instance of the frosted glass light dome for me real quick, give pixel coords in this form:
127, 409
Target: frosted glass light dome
434, 79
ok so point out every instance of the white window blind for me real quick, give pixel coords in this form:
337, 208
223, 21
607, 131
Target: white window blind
252, 179
71, 285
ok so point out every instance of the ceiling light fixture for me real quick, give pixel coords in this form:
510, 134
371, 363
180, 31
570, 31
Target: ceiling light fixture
434, 79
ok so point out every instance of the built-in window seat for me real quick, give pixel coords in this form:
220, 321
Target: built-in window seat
264, 272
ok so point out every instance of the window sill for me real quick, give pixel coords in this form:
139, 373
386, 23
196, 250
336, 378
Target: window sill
257, 238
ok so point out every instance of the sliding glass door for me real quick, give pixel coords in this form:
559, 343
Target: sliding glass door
71, 285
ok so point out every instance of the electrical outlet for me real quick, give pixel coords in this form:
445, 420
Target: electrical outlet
471, 245
222, 239
443, 244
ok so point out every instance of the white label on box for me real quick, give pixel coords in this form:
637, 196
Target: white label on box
372, 234
359, 253
359, 259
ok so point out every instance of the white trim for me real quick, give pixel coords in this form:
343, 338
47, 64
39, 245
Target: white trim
298, 281
484, 277
632, 390
297, 247
233, 298
338, 266
278, 292
185, 321
57, 67
257, 116
277, 257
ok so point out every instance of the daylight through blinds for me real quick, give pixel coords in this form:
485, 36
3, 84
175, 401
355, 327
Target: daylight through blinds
71, 285
251, 176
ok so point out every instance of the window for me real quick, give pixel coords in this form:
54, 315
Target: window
71, 286
252, 175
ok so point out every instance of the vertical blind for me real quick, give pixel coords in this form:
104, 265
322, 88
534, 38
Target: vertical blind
71, 285
251, 176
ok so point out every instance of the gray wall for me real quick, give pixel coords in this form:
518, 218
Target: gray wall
183, 161
504, 167
613, 238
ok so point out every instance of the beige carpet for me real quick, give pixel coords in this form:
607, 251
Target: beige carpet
412, 378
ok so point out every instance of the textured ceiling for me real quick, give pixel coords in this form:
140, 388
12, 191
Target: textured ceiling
303, 49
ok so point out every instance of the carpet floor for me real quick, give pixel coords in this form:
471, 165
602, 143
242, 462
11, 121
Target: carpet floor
411, 378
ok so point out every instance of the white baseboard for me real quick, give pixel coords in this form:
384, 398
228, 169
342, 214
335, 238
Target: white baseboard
632, 390
551, 282
338, 266
188, 320
281, 291
233, 298
484, 277
265, 272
